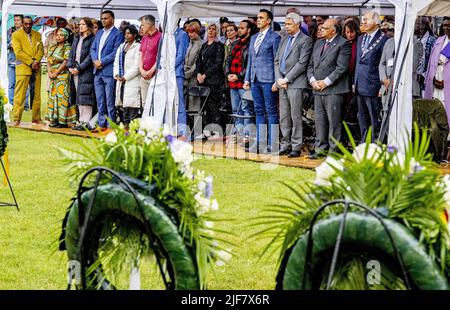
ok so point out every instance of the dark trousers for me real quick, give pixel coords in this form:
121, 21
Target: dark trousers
369, 115
213, 118
328, 111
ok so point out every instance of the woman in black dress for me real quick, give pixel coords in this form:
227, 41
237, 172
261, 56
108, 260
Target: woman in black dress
210, 74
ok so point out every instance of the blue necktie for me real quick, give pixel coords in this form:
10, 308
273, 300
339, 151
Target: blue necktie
285, 54
258, 42
367, 42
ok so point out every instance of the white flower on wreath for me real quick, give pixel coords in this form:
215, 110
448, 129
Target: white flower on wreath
111, 138
400, 160
150, 126
205, 205
446, 183
373, 152
326, 170
182, 152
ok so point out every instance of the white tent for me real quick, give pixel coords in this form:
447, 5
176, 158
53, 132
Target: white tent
406, 12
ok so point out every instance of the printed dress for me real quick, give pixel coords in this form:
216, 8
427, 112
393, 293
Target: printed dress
59, 110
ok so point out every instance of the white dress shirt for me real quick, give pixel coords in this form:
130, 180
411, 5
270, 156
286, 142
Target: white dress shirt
327, 81
105, 35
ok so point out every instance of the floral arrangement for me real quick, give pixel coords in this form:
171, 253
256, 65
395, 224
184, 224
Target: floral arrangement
404, 186
148, 153
5, 108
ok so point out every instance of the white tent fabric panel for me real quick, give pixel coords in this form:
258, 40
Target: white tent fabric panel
163, 92
437, 8
400, 122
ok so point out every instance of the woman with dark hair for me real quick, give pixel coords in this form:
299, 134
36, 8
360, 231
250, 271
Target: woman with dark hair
60, 113
82, 70
350, 31
210, 73
128, 77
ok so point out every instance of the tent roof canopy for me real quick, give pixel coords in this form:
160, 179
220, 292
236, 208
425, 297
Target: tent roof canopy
213, 8
199, 8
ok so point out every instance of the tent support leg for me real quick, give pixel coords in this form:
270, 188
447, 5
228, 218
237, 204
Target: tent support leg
104, 6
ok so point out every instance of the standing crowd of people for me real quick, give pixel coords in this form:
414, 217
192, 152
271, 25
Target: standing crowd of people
264, 73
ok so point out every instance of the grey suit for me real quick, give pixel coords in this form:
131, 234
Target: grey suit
331, 65
386, 67
291, 100
190, 78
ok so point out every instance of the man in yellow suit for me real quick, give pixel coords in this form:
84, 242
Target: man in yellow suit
29, 50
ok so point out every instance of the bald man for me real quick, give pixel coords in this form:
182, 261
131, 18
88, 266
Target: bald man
328, 76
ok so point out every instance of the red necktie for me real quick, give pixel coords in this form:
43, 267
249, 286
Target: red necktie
324, 48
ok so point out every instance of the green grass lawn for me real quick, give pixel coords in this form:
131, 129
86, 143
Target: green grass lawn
28, 239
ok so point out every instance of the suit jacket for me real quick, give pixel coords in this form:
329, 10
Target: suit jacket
182, 43
386, 66
261, 66
191, 59
367, 77
332, 64
109, 51
25, 51
297, 60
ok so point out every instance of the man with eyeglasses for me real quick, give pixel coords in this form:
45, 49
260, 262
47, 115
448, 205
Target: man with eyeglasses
367, 78
29, 50
329, 78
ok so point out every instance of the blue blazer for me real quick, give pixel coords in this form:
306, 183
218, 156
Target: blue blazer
109, 50
367, 77
261, 66
182, 43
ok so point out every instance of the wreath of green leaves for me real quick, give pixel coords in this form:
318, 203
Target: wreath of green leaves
406, 188
181, 231
117, 228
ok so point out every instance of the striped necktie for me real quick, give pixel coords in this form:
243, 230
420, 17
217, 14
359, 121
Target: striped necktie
367, 42
258, 42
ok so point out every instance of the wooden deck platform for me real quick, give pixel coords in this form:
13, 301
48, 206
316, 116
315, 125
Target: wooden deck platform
217, 149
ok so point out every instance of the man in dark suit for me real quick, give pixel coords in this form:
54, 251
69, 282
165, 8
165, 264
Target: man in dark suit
261, 76
103, 53
367, 78
291, 64
328, 76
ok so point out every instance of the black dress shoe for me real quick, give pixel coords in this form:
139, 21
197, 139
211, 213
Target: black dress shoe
315, 155
283, 152
294, 154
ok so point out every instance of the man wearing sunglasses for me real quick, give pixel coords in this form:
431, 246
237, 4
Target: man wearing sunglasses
29, 50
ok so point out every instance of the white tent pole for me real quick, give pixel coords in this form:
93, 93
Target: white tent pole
4, 52
400, 121
104, 6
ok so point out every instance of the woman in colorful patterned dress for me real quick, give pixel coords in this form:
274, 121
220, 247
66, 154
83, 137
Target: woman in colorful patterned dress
59, 111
